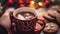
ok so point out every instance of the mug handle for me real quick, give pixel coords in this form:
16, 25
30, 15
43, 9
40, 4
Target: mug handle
44, 23
13, 25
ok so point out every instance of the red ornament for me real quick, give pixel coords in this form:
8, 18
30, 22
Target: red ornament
46, 2
21, 3
28, 1
10, 1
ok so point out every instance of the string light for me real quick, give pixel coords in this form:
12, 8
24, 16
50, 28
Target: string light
32, 2
40, 4
52, 0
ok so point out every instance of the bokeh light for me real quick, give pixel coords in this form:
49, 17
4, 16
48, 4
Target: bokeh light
32, 2
40, 3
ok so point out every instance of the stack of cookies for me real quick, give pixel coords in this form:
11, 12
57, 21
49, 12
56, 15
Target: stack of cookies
50, 15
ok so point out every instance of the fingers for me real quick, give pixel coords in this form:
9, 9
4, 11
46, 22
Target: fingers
5, 18
9, 11
14, 26
5, 21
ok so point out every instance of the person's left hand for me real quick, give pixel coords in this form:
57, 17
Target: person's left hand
5, 19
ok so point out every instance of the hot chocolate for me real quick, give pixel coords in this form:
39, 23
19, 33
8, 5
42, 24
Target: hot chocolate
25, 15
25, 19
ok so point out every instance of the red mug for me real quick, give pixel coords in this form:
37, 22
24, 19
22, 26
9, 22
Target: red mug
23, 25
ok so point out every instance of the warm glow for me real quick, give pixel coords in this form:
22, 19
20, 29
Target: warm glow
32, 2
32, 5
1, 7
52, 0
40, 4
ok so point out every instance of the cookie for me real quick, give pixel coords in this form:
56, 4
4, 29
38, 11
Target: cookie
58, 10
52, 13
58, 18
46, 16
54, 7
50, 28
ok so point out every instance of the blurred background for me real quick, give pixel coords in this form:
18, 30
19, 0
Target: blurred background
35, 4
41, 6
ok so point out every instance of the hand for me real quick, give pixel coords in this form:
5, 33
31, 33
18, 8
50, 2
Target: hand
5, 19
